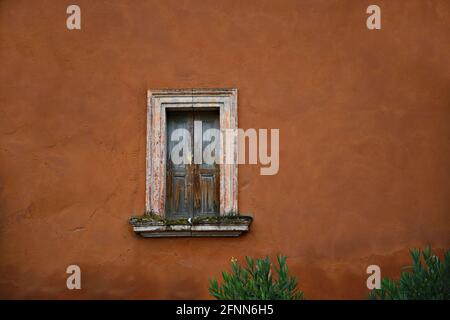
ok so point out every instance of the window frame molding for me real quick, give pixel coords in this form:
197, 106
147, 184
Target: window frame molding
158, 100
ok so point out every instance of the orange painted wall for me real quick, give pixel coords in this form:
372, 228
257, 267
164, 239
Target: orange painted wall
364, 120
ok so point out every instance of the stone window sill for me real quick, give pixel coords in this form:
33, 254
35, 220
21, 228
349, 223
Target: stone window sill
152, 226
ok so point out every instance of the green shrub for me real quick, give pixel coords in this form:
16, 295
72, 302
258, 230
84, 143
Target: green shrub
423, 281
254, 281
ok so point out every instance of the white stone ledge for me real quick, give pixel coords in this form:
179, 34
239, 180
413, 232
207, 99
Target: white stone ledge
159, 231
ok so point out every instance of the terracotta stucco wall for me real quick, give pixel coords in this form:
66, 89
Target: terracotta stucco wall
364, 119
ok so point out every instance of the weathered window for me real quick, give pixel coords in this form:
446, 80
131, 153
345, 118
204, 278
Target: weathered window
192, 198
192, 187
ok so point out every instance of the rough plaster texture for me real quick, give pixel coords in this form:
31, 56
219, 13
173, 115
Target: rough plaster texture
364, 127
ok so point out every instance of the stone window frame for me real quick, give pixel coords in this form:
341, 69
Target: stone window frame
158, 101
153, 224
